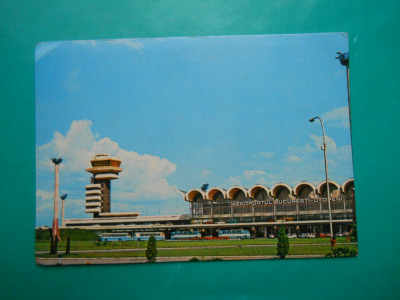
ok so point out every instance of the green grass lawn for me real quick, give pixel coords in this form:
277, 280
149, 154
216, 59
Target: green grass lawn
187, 248
93, 245
236, 251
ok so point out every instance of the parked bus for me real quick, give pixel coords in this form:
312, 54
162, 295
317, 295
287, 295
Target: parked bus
234, 234
145, 236
115, 236
185, 235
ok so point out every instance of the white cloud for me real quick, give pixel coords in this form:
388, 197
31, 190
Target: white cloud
233, 180
76, 148
249, 174
301, 150
299, 163
293, 158
307, 162
45, 195
267, 154
330, 143
247, 179
143, 176
43, 205
345, 152
206, 173
338, 117
71, 81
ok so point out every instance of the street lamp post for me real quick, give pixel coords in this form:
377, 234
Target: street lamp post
326, 172
344, 61
55, 232
62, 197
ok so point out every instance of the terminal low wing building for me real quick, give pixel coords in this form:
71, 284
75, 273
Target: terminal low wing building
302, 208
261, 210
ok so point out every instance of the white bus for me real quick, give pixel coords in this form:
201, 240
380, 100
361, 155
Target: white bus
235, 234
185, 235
144, 236
115, 236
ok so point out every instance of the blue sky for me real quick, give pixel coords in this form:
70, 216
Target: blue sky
184, 111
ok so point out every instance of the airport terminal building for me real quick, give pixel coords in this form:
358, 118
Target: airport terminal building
262, 210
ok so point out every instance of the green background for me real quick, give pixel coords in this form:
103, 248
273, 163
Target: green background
374, 70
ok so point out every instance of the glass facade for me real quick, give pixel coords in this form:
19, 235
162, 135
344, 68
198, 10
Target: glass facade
281, 203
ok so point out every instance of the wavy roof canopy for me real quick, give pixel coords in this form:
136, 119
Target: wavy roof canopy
272, 192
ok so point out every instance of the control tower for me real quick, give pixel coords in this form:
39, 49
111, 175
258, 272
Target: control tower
98, 194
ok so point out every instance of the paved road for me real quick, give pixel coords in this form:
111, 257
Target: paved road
135, 260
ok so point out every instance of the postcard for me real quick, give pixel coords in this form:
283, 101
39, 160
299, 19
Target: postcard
194, 149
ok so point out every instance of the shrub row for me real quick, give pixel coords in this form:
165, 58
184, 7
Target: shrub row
74, 234
342, 252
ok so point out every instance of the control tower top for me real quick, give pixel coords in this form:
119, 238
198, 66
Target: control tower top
98, 193
105, 166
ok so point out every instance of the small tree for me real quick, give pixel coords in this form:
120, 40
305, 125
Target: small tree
53, 243
283, 243
52, 251
68, 249
151, 251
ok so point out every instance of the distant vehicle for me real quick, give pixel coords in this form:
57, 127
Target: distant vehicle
196, 221
233, 220
271, 236
115, 236
185, 235
220, 222
234, 234
303, 235
339, 234
145, 236
310, 235
292, 235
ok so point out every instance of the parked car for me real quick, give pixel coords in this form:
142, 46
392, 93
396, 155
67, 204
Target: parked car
310, 235
292, 235
302, 235
271, 236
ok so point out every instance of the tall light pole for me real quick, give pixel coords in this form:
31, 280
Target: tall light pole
326, 172
62, 197
344, 61
55, 232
